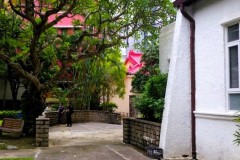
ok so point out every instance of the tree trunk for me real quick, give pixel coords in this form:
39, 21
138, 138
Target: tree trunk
32, 105
14, 82
4, 93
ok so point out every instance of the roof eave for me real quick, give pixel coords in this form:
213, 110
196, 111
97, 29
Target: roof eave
177, 3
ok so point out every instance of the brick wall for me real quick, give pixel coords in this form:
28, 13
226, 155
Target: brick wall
86, 116
42, 131
141, 133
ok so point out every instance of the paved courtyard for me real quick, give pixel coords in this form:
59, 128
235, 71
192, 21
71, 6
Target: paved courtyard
83, 141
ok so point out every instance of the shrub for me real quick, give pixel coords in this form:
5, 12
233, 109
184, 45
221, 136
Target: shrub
151, 109
151, 102
21, 158
237, 132
10, 114
156, 86
54, 107
3, 146
109, 106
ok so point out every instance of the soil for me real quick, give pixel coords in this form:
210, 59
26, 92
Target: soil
85, 134
20, 143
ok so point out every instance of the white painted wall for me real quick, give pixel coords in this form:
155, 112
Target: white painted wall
165, 46
5, 91
175, 139
214, 122
214, 130
215, 137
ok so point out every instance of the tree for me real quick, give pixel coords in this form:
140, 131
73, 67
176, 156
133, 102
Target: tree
106, 24
9, 30
150, 59
98, 77
150, 48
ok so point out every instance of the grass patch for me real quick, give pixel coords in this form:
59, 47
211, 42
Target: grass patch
16, 158
20, 143
3, 146
0, 122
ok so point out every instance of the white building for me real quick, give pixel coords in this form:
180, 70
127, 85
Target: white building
201, 100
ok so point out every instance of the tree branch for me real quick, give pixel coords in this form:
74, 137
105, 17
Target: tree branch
18, 68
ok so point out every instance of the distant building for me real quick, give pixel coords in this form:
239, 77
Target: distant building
125, 106
65, 25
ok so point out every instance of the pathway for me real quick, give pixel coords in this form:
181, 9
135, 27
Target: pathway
83, 141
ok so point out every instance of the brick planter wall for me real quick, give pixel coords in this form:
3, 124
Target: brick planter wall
141, 133
42, 131
86, 116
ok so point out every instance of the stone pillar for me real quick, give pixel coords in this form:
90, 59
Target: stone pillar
126, 130
42, 131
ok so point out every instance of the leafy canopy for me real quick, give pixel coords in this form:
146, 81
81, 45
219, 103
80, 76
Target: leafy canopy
106, 23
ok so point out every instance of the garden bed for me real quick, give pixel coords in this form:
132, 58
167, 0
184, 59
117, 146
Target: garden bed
19, 143
141, 133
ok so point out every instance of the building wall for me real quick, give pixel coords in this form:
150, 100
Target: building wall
175, 139
5, 91
165, 47
123, 103
214, 122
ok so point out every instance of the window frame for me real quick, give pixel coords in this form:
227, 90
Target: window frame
227, 46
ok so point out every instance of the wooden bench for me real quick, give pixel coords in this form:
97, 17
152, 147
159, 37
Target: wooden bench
12, 126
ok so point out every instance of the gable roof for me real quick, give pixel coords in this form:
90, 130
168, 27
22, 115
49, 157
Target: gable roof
66, 22
177, 3
134, 62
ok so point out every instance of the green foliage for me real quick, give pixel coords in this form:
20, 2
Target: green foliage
151, 102
22, 158
61, 94
109, 106
28, 43
138, 82
98, 77
3, 69
9, 114
237, 136
237, 132
3, 146
9, 33
54, 107
156, 86
150, 59
150, 45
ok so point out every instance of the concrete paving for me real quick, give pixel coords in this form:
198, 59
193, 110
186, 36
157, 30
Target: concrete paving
83, 141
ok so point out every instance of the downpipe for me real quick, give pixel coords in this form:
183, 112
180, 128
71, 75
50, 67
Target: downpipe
193, 79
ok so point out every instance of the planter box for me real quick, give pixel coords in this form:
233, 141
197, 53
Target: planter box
141, 133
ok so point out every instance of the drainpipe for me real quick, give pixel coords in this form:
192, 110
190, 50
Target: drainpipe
192, 71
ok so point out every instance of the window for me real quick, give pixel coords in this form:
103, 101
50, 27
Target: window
233, 71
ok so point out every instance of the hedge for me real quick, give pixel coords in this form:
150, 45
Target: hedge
10, 114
